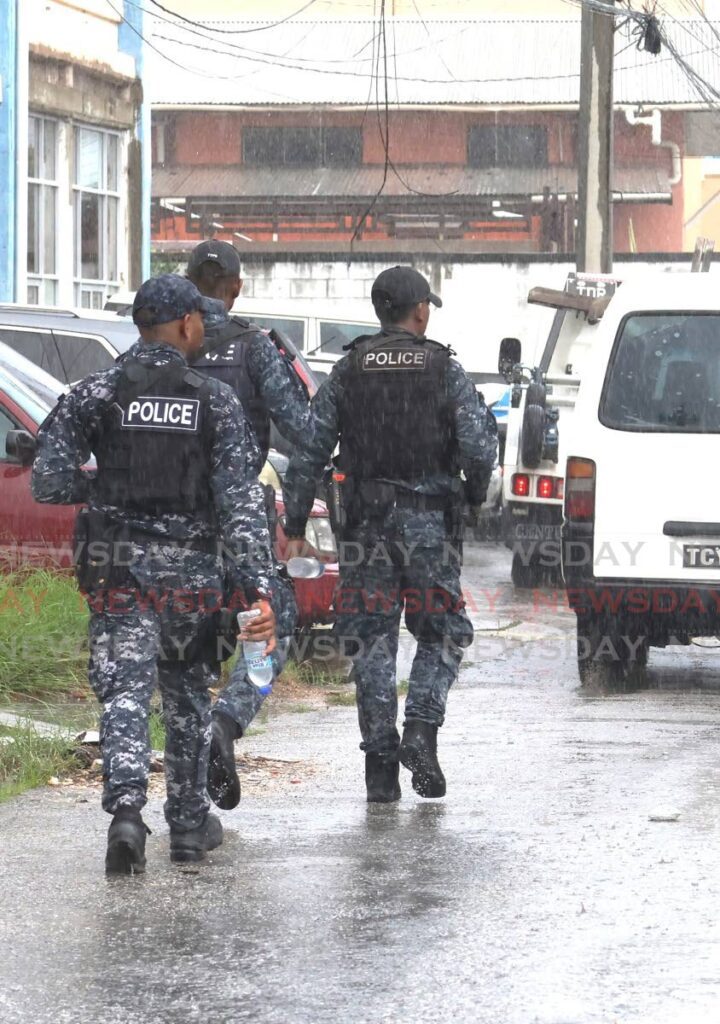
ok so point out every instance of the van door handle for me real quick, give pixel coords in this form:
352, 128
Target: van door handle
679, 529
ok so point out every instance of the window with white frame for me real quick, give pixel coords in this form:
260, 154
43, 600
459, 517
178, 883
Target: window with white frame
42, 228
96, 191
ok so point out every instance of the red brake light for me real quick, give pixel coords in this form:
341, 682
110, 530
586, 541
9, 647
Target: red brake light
520, 485
546, 487
580, 490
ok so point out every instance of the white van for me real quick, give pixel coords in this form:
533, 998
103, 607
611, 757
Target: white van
641, 530
317, 333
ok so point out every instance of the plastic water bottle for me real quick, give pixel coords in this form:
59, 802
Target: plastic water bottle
259, 664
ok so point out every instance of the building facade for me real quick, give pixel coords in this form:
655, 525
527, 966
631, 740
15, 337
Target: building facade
74, 151
465, 139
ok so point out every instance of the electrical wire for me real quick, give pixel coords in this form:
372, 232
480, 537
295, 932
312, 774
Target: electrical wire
277, 59
386, 136
230, 31
203, 31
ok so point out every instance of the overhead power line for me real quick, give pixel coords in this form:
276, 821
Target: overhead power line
231, 31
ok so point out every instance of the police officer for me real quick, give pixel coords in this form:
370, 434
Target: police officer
240, 354
175, 474
408, 420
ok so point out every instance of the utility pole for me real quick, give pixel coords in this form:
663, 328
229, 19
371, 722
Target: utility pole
595, 141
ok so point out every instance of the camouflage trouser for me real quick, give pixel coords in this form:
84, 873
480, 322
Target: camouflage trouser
406, 562
240, 700
138, 640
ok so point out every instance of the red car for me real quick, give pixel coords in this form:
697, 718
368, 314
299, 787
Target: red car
38, 534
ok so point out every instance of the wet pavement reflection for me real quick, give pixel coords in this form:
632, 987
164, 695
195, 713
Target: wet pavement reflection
538, 892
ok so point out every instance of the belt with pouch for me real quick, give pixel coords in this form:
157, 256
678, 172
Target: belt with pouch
422, 502
206, 545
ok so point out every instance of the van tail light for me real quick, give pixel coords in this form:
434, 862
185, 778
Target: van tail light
520, 485
580, 490
549, 487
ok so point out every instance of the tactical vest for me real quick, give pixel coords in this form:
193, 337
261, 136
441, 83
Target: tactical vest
226, 359
395, 418
153, 447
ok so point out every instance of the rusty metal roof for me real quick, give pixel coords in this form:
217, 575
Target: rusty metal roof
446, 183
478, 62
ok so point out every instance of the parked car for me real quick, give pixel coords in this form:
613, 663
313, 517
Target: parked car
641, 532
318, 334
36, 534
70, 344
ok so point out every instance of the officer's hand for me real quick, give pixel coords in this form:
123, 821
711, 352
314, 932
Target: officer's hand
298, 547
262, 627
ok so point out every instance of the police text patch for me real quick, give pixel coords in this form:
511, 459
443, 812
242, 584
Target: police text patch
154, 413
395, 359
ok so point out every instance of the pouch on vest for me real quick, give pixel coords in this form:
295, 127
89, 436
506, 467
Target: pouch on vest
101, 552
376, 498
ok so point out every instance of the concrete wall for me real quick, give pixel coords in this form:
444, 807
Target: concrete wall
483, 301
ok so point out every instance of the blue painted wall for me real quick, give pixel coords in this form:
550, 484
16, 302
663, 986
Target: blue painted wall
131, 32
8, 157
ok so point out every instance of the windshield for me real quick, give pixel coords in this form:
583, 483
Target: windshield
335, 336
664, 375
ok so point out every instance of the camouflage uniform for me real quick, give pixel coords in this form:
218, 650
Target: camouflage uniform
287, 405
142, 636
404, 560
277, 385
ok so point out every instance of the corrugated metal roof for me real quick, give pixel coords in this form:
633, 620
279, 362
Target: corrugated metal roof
445, 182
437, 61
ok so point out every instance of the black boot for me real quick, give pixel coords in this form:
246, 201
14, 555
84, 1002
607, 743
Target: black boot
382, 778
223, 783
418, 752
192, 846
126, 844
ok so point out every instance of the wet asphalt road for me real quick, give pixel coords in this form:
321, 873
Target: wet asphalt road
537, 891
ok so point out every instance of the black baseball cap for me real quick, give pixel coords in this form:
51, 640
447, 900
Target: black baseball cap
222, 255
402, 286
165, 298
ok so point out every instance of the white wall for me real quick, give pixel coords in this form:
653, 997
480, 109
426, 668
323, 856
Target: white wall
482, 302
87, 30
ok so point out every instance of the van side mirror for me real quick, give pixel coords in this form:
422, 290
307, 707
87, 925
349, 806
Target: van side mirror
510, 355
20, 446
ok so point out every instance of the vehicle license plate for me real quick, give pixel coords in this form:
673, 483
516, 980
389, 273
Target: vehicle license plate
701, 556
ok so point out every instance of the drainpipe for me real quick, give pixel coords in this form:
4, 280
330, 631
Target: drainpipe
654, 122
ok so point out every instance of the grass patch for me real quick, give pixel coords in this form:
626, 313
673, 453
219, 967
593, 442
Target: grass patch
156, 725
341, 700
299, 709
43, 635
311, 673
29, 760
255, 730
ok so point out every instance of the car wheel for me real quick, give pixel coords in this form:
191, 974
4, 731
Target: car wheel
532, 436
605, 658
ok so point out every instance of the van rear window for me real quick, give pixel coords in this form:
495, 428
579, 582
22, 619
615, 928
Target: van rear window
664, 375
